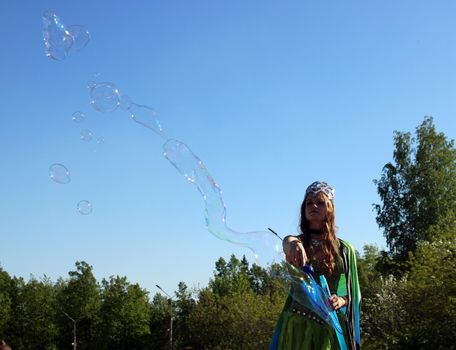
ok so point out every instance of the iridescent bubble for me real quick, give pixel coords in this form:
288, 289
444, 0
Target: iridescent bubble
57, 39
104, 97
101, 140
84, 207
86, 135
78, 117
147, 117
59, 173
263, 244
125, 102
80, 36
315, 296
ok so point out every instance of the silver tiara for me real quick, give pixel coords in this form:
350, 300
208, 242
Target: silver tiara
321, 186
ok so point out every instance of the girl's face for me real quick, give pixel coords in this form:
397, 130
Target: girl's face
316, 210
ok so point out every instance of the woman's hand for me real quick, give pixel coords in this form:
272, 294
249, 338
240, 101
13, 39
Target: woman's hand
294, 251
337, 302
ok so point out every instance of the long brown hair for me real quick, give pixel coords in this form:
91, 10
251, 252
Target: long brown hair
329, 244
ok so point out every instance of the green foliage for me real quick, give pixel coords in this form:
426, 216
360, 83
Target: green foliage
418, 191
367, 268
124, 314
230, 278
33, 325
418, 310
184, 306
237, 310
236, 321
430, 296
78, 298
6, 285
240, 307
160, 314
410, 292
383, 315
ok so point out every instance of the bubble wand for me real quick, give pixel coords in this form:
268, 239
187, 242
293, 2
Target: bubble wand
270, 229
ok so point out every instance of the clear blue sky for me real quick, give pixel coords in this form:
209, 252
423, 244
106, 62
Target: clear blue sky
271, 95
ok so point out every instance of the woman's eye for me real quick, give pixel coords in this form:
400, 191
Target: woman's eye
318, 204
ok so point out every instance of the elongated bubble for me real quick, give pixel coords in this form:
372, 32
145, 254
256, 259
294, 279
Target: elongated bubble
104, 97
59, 173
125, 102
263, 244
80, 36
57, 39
147, 117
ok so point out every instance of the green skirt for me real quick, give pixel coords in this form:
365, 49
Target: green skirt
301, 333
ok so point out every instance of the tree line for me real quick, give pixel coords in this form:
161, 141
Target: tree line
409, 290
237, 309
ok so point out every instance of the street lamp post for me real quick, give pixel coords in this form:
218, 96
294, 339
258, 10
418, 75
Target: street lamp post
74, 329
171, 314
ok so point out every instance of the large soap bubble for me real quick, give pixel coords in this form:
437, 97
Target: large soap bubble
60, 40
57, 39
104, 97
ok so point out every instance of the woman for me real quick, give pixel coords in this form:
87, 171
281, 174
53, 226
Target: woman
298, 326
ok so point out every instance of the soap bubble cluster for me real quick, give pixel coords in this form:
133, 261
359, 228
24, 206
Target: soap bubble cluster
105, 97
60, 40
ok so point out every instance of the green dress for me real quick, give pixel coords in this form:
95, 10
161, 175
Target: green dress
300, 329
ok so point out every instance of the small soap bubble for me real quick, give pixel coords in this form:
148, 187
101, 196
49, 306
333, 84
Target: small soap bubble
104, 97
91, 84
80, 36
101, 140
84, 207
147, 117
125, 102
86, 135
59, 173
57, 39
78, 117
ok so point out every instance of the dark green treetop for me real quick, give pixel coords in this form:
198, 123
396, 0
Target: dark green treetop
418, 190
